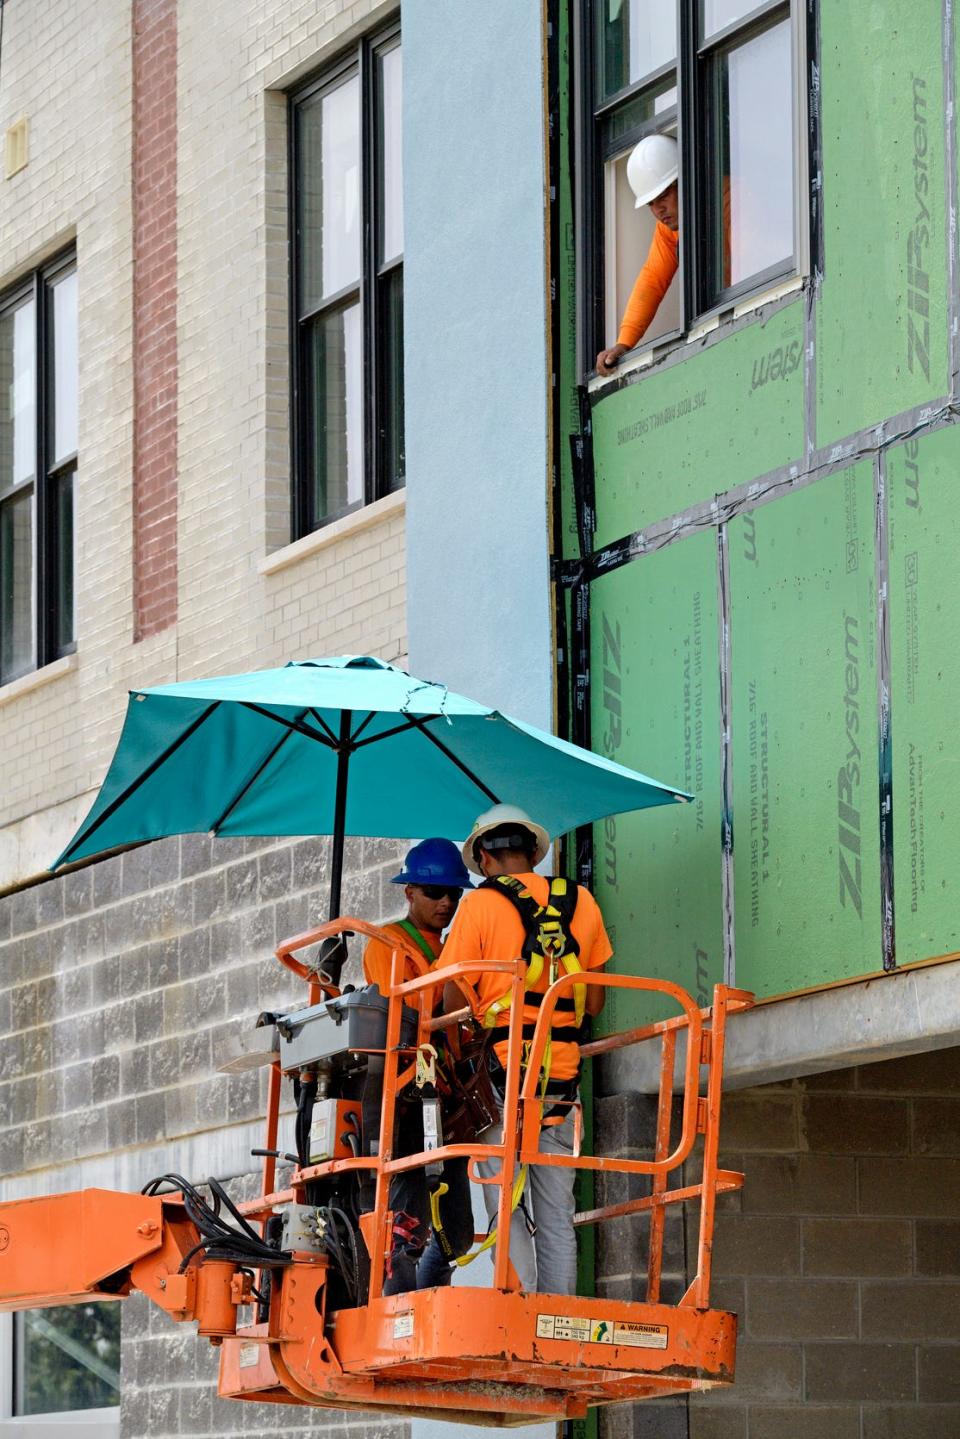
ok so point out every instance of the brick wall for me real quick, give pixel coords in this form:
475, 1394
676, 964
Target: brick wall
154, 315
70, 69
841, 1256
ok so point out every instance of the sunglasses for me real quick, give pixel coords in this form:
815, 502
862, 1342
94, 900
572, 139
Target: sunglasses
440, 891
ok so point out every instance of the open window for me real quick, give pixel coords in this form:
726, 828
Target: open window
722, 77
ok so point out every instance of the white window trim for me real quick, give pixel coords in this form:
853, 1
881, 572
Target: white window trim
71, 1424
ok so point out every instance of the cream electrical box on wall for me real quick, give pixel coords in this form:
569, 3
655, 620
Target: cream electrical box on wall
15, 148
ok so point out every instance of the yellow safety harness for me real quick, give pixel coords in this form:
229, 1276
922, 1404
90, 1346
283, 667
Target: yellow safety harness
548, 940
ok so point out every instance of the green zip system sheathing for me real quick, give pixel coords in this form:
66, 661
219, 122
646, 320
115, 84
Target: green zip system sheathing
691, 431
882, 331
762, 593
804, 736
924, 517
654, 640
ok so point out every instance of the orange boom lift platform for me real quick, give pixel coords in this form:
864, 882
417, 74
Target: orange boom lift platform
493, 1356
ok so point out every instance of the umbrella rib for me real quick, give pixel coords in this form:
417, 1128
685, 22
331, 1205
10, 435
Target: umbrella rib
323, 725
121, 798
421, 725
248, 785
296, 725
360, 728
386, 734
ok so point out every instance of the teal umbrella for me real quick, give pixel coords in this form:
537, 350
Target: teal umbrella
341, 746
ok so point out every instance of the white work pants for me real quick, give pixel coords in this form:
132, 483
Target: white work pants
547, 1262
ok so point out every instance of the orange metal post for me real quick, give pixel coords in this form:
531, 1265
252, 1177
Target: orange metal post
658, 1214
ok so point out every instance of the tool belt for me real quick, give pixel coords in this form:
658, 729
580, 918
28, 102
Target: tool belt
469, 1103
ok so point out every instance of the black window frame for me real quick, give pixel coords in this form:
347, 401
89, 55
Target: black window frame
48, 473
691, 120
370, 292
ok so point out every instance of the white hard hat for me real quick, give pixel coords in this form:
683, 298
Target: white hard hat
503, 814
653, 165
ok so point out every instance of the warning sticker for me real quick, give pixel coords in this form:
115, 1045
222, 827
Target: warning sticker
641, 1336
403, 1325
249, 1354
567, 1326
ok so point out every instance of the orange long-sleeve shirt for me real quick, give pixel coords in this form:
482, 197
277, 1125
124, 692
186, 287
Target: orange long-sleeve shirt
651, 284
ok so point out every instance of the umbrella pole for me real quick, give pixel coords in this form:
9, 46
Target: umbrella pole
340, 812
333, 952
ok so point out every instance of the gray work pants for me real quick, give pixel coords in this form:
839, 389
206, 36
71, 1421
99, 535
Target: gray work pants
547, 1262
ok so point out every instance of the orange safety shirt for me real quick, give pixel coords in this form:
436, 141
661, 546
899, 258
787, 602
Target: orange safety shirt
651, 284
377, 955
488, 928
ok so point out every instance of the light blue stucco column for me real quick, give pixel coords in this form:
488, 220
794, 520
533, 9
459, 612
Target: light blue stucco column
475, 318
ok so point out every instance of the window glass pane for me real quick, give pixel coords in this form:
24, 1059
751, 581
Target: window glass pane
636, 37
336, 421
390, 357
17, 395
627, 233
63, 377
716, 15
67, 1358
753, 190
16, 586
62, 507
328, 193
391, 156
629, 119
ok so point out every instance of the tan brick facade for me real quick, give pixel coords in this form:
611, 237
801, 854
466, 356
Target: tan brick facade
154, 315
233, 468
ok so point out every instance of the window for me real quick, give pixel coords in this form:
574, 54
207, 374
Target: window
347, 228
60, 1367
38, 465
719, 76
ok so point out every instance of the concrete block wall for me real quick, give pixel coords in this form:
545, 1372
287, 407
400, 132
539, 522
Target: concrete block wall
169, 1380
121, 983
841, 1257
120, 986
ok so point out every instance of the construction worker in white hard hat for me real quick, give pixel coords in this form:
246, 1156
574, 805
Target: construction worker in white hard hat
652, 170
556, 926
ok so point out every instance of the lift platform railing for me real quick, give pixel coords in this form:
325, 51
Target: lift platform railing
704, 1030
472, 1353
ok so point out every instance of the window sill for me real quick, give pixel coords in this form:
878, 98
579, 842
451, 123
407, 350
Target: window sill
75, 1423
36, 679
331, 534
643, 358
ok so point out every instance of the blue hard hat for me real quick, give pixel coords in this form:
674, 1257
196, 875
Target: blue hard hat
434, 861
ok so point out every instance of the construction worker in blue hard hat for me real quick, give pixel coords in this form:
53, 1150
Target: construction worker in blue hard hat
434, 877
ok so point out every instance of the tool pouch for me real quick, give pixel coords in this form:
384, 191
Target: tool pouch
471, 1104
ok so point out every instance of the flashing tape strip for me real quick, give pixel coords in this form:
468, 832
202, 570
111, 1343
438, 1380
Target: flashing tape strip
815, 187
864, 444
949, 48
884, 747
726, 760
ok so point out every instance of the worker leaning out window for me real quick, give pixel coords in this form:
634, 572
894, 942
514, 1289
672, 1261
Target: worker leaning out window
652, 170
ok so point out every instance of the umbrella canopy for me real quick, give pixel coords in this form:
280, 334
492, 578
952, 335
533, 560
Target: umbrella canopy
349, 745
